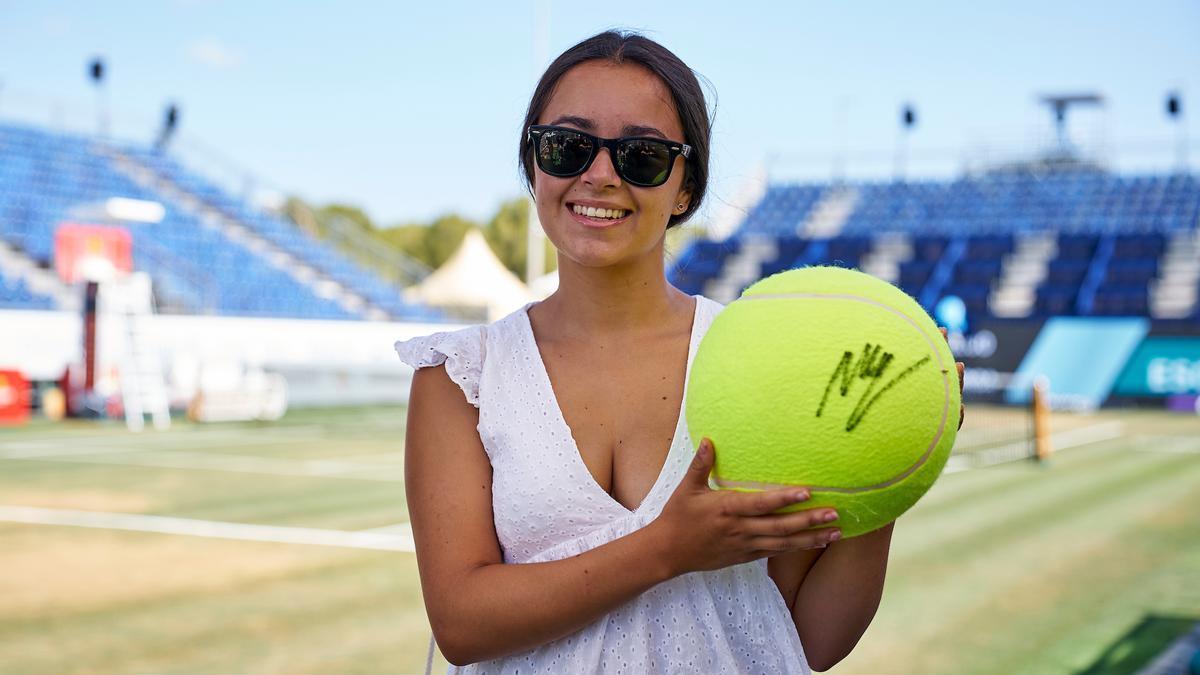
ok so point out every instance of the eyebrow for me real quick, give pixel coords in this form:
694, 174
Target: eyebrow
628, 130
636, 130
581, 122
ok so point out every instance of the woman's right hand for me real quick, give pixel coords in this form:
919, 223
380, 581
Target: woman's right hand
706, 529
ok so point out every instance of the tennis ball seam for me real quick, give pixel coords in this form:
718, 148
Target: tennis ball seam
945, 397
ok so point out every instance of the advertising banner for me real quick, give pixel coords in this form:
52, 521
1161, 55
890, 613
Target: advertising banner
1080, 357
1162, 366
14, 398
91, 252
992, 351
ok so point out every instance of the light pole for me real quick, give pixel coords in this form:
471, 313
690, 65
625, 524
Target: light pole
1175, 113
908, 120
170, 122
535, 264
96, 72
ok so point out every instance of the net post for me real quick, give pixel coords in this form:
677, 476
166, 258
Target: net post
1042, 446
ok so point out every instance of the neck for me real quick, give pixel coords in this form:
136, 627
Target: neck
631, 297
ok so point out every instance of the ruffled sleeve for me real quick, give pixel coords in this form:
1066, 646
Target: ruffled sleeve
461, 350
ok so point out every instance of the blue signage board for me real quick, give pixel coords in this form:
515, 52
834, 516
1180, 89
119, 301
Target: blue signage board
1162, 366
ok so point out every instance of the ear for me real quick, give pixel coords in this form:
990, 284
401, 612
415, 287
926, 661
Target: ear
682, 200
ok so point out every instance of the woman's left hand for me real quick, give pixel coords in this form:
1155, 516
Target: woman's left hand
962, 408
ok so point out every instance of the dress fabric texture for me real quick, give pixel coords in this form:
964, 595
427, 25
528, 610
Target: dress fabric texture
548, 507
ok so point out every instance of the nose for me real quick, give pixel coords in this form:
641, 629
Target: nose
602, 173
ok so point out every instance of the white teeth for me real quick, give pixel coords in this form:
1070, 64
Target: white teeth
593, 212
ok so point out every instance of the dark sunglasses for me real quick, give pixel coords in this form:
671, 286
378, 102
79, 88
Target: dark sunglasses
641, 161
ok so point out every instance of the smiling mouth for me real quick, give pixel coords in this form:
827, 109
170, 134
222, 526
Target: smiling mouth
594, 214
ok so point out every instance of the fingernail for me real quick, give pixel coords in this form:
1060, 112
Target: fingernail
800, 495
830, 517
835, 535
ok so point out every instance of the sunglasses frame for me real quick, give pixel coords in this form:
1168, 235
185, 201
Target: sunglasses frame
534, 134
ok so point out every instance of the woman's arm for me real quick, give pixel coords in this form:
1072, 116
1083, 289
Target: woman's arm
481, 609
834, 593
478, 607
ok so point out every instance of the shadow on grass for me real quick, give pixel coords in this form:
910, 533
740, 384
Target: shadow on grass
1141, 645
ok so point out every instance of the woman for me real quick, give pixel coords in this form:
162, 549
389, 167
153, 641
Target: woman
563, 523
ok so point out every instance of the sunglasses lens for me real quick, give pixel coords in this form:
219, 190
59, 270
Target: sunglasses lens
644, 162
563, 153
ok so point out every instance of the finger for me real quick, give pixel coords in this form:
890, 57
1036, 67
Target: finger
762, 503
945, 333
788, 524
962, 369
701, 466
799, 541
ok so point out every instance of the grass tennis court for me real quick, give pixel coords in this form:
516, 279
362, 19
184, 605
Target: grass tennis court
1070, 567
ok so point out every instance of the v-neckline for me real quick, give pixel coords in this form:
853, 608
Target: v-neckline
577, 456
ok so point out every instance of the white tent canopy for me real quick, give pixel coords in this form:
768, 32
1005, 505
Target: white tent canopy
474, 277
544, 285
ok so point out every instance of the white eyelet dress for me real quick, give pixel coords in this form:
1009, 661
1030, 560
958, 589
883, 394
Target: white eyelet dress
548, 507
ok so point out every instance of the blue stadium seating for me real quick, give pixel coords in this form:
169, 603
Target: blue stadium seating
789, 249
701, 261
287, 237
1110, 235
781, 209
46, 176
14, 294
1069, 202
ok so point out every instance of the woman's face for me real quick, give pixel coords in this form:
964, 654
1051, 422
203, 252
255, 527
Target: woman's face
609, 101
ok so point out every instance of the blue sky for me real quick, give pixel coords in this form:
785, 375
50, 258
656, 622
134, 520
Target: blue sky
411, 109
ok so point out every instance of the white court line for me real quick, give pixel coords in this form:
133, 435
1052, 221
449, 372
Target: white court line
167, 440
1071, 438
398, 528
14, 452
396, 539
379, 457
1172, 445
125, 444
271, 466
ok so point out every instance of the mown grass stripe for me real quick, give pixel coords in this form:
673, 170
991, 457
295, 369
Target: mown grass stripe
132, 522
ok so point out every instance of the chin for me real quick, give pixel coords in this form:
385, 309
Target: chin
594, 259
603, 256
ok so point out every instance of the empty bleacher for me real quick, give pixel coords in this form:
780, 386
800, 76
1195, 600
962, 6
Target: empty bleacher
1010, 245
781, 210
15, 294
246, 263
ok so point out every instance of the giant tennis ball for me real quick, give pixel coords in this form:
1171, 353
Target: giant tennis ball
830, 379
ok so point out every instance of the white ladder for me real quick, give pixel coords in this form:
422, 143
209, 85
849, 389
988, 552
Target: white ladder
1173, 293
143, 388
829, 215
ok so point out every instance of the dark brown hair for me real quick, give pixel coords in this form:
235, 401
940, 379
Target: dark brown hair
619, 47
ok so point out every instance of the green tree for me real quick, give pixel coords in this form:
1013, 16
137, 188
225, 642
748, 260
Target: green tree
506, 233
444, 236
432, 244
348, 212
